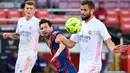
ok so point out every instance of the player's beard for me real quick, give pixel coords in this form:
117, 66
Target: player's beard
48, 35
86, 17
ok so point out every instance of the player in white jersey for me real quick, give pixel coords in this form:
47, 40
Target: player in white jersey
27, 32
90, 40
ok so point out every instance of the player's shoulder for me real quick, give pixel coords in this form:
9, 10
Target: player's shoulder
20, 20
98, 22
56, 32
35, 19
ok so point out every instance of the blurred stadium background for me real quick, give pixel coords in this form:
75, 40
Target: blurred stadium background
116, 17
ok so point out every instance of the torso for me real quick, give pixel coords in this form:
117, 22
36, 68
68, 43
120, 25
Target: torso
64, 58
29, 35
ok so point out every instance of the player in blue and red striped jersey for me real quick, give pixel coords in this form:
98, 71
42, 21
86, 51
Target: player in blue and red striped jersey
63, 61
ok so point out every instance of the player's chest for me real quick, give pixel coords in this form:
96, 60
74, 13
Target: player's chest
89, 31
28, 26
48, 43
51, 43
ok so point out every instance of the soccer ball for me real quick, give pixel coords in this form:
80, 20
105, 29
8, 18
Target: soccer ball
73, 25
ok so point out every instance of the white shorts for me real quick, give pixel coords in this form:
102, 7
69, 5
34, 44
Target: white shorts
24, 64
89, 68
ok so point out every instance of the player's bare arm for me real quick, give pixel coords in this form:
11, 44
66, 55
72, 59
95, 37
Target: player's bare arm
58, 38
61, 47
68, 43
115, 48
13, 36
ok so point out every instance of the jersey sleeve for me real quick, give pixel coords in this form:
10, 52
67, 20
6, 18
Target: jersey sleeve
74, 37
103, 32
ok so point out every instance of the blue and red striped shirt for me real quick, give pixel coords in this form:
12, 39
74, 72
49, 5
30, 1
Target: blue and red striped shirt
64, 59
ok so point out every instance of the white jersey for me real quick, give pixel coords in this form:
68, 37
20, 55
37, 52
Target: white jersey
29, 36
90, 40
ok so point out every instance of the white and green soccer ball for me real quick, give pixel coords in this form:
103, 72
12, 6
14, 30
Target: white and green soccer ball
73, 25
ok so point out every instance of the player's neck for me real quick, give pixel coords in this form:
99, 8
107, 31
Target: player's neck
86, 21
28, 17
48, 37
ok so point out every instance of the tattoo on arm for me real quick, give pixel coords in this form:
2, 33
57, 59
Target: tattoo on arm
15, 36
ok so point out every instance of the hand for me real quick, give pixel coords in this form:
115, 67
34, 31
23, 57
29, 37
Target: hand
120, 48
5, 35
54, 58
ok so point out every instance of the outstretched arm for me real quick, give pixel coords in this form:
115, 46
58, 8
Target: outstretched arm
13, 36
63, 42
67, 42
115, 48
61, 48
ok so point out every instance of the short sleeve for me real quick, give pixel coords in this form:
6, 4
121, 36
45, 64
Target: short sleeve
103, 32
74, 37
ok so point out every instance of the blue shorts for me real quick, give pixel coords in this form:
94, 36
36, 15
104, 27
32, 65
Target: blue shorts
70, 69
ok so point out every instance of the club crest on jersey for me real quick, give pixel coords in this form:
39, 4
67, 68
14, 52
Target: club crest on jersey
89, 32
30, 27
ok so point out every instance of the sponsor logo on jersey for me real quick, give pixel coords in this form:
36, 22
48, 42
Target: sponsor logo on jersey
25, 33
84, 38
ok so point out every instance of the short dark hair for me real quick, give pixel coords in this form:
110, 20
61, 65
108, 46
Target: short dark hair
89, 3
45, 21
30, 2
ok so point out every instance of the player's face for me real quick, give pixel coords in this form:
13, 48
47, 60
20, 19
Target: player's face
29, 10
85, 12
45, 29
